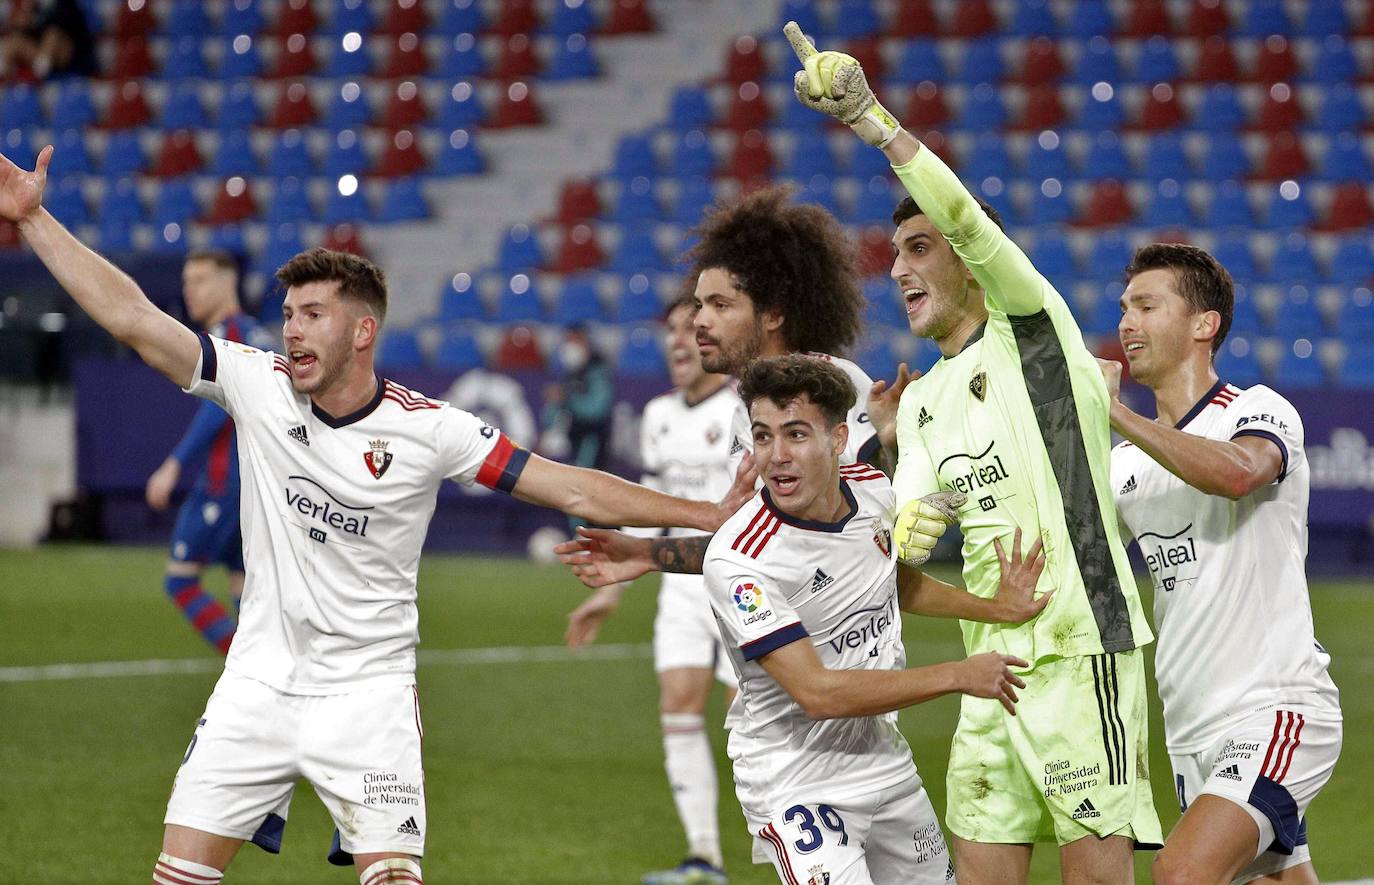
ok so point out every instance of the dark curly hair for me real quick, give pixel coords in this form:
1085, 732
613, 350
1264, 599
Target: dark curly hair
357, 277
1201, 280
784, 378
789, 257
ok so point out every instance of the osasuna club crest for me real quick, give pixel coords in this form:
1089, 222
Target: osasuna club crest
882, 537
818, 876
978, 385
378, 459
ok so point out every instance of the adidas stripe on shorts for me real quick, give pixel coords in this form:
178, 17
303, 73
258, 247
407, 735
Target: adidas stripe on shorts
1073, 762
1271, 763
360, 751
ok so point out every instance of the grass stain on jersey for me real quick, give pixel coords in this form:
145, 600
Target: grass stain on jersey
981, 787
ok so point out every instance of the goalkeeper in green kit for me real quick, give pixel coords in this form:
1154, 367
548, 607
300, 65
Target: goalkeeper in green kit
1010, 428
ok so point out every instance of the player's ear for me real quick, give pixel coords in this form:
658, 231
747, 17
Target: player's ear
1206, 325
841, 437
771, 319
365, 333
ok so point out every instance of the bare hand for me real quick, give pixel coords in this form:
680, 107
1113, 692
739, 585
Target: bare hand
883, 400
741, 490
21, 193
600, 557
584, 622
160, 485
989, 676
1016, 591
1111, 373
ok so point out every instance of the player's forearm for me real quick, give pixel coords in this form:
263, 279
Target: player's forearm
1216, 467
921, 594
683, 556
837, 694
599, 497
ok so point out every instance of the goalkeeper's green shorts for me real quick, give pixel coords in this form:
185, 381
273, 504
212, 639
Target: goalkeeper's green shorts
1073, 762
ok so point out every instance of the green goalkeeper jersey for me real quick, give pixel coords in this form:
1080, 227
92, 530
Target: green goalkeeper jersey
1018, 420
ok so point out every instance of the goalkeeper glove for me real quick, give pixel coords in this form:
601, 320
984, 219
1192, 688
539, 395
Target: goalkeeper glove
834, 83
921, 523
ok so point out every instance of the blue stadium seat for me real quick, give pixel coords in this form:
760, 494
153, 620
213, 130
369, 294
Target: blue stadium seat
65, 201
1032, 18
1048, 205
639, 299
70, 156
228, 237
1264, 17
289, 203
1165, 157
1300, 368
571, 17
519, 301
1101, 109
883, 308
854, 18
235, 155
348, 57
17, 145
804, 13
874, 202
1294, 261
1297, 316
1097, 63
1168, 207
242, 17
73, 108
344, 204
1089, 18
240, 58
175, 203
793, 116
1340, 110
1158, 63
637, 251
1109, 256
459, 300
123, 155
458, 351
400, 349
461, 108
183, 109
690, 108
19, 106
1357, 370
1102, 316
115, 236
1335, 61
1355, 319
1229, 207
1220, 109
1048, 159
1236, 255
1345, 159
877, 357
572, 59
289, 156
811, 154
692, 154
919, 60
1225, 158
634, 156
1323, 19
865, 162
1053, 257
1237, 362
348, 108
694, 197
462, 58
185, 60
403, 199
458, 155
1107, 158
983, 111
238, 108
350, 15
981, 62
989, 156
462, 17
284, 241
186, 18
579, 302
641, 356
1246, 318
636, 202
121, 205
1351, 262
345, 155
519, 250
819, 190
1290, 207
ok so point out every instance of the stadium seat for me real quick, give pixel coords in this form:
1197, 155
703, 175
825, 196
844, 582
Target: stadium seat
1352, 263
345, 203
639, 299
748, 109
290, 157
1279, 111
628, 17
114, 236
918, 61
350, 15
459, 300
1345, 159
127, 107
228, 237
1357, 370
120, 204
462, 17
1168, 207
1323, 19
177, 156
690, 108
1224, 158
1049, 204
284, 241
1207, 18
1335, 61
519, 301
578, 200
401, 156
692, 156
516, 60
751, 159
74, 108
234, 156
876, 356
1107, 158
238, 109
185, 60
1089, 19
20, 107
1234, 252
1162, 110
884, 308
1300, 368
1147, 18
1216, 63
571, 17
1109, 256
1238, 363
123, 155
1290, 207
348, 57
175, 203
1294, 261
1262, 18
403, 199
572, 59
1097, 63
65, 201
295, 17
983, 109
70, 156
1350, 208
348, 109
638, 250
233, 203
1048, 158
241, 17
1355, 318
183, 109
926, 107
1101, 109
132, 60
458, 351
854, 19
641, 356
345, 155
289, 203
818, 189
981, 63
1032, 18
293, 107
1283, 157
806, 13
515, 107
912, 18
400, 349
1157, 62
972, 19
1340, 110
344, 237
1042, 109
695, 196
1054, 258
519, 250
745, 61
1041, 63
295, 58
1165, 157
516, 17
579, 302
1297, 315
578, 250
873, 203
461, 108
636, 203
458, 155
1276, 62
1229, 207
811, 154
461, 58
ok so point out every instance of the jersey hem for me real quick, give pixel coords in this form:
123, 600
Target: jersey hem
331, 689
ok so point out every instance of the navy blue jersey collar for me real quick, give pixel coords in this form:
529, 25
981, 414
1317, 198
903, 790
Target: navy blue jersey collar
1201, 404
814, 524
353, 417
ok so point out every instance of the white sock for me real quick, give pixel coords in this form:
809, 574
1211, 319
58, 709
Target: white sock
692, 776
392, 869
175, 871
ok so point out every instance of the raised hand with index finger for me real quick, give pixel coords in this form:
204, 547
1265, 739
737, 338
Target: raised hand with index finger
834, 84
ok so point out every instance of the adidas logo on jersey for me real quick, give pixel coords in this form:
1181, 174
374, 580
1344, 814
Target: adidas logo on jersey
1129, 486
1231, 773
409, 827
923, 418
299, 434
821, 581
735, 446
1085, 809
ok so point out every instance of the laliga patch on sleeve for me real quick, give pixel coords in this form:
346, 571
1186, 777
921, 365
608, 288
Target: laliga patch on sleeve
240, 347
750, 603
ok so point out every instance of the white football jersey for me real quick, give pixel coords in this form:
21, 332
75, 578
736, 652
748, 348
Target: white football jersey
774, 579
335, 510
1231, 604
686, 447
863, 439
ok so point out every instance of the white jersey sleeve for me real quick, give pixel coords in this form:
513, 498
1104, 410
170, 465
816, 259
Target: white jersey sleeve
230, 374
465, 446
1262, 412
754, 613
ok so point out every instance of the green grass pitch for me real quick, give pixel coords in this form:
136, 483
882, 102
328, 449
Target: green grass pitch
538, 771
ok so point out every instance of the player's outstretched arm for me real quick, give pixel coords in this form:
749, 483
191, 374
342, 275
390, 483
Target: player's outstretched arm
833, 694
1015, 602
1228, 468
103, 291
601, 557
584, 622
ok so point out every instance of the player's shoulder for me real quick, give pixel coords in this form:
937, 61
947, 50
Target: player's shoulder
1258, 394
865, 475
407, 400
745, 537
850, 368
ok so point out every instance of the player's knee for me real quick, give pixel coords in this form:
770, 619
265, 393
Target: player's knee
1176, 868
175, 871
392, 869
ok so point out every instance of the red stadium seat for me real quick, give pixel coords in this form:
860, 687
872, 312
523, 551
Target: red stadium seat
1216, 63
294, 107
939, 146
868, 54
132, 59
402, 156
345, 238
127, 107
1350, 208
1161, 110
296, 58
517, 60
516, 17
516, 107
578, 251
518, 350
1148, 18
1283, 158
134, 19
578, 201
1276, 62
1107, 204
233, 203
1281, 110
1207, 18
178, 155
406, 58
748, 109
972, 18
875, 251
1043, 109
745, 62
628, 17
914, 18
405, 107
404, 17
751, 158
1042, 62
926, 108
296, 17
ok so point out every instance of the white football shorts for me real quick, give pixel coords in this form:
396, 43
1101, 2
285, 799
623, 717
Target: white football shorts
1272, 764
889, 838
685, 631
360, 751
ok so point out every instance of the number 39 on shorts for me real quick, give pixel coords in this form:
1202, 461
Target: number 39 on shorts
811, 823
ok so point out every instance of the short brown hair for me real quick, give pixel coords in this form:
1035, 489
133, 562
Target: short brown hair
1201, 280
908, 208
357, 277
784, 378
793, 258
218, 257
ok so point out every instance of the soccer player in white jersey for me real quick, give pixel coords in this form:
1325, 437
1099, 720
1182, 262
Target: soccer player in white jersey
806, 588
339, 472
1214, 489
685, 449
